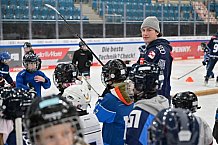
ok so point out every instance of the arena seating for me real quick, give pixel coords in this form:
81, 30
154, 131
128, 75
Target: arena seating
20, 9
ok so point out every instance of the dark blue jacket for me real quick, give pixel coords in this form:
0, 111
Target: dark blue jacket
213, 45
4, 72
159, 52
25, 80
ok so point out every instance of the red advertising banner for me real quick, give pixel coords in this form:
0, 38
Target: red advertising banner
51, 53
186, 50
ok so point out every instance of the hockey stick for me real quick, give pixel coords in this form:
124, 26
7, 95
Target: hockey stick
18, 128
188, 72
69, 27
90, 85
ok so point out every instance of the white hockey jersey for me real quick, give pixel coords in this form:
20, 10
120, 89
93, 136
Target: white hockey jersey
91, 129
205, 137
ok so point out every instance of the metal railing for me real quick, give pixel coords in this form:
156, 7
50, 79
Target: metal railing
124, 21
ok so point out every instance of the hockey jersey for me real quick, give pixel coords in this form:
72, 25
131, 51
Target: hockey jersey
213, 45
91, 129
25, 80
141, 118
205, 137
4, 72
113, 111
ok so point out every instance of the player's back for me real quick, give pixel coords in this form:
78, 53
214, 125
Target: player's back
91, 129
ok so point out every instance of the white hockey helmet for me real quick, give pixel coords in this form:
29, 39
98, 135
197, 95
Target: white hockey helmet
78, 95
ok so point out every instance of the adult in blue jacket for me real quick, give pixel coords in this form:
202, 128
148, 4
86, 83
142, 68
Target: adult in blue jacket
31, 78
147, 103
114, 108
157, 51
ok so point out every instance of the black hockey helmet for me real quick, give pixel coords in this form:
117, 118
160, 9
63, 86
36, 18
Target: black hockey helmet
186, 100
27, 45
114, 71
65, 73
48, 111
147, 79
15, 102
174, 126
28, 58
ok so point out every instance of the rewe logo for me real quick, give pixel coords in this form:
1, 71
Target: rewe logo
51, 53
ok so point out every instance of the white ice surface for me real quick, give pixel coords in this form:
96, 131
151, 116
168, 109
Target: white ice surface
208, 103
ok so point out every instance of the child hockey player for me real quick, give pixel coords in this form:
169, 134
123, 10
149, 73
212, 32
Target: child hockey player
174, 126
148, 103
212, 45
215, 128
188, 100
52, 120
28, 48
65, 74
5, 57
206, 57
77, 93
13, 104
114, 108
79, 96
31, 78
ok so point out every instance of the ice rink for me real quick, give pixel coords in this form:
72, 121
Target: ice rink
208, 103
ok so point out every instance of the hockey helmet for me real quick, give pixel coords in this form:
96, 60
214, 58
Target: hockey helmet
49, 111
5, 57
30, 58
114, 71
27, 45
174, 126
64, 73
147, 78
15, 102
78, 95
186, 100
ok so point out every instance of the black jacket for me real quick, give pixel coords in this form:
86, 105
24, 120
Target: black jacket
82, 59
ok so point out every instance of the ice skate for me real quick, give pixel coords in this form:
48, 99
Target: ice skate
206, 81
216, 82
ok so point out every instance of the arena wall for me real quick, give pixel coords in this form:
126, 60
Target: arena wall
53, 51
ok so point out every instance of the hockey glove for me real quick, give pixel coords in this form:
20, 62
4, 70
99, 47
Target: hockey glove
13, 84
2, 82
204, 63
88, 63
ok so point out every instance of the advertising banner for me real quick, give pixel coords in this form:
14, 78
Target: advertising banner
187, 50
16, 56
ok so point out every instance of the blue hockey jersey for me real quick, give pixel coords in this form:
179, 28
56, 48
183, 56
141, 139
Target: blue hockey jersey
213, 45
113, 111
25, 80
4, 72
141, 118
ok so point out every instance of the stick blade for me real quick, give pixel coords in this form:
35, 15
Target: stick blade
53, 8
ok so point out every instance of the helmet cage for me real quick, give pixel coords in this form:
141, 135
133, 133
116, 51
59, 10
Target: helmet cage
114, 71
31, 58
74, 121
65, 73
146, 78
174, 126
